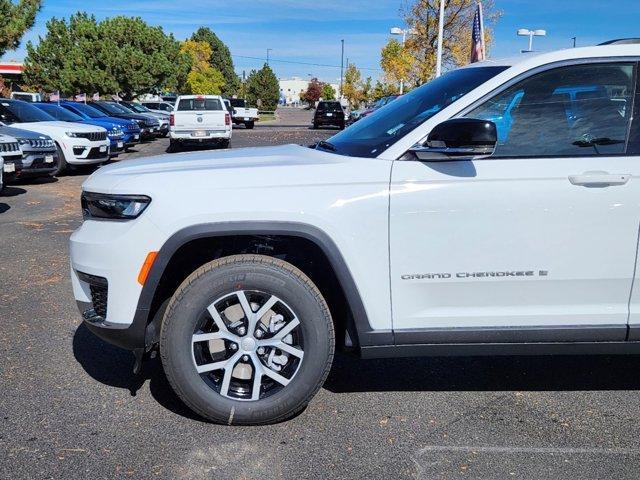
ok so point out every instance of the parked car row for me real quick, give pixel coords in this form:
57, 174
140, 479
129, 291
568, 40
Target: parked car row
46, 138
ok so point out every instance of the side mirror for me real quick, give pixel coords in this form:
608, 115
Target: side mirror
458, 139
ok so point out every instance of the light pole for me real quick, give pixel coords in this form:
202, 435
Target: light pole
403, 32
341, 67
440, 36
268, 50
523, 32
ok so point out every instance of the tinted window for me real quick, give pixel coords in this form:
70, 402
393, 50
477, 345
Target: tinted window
375, 133
11, 112
58, 113
191, 104
110, 108
574, 111
329, 106
238, 102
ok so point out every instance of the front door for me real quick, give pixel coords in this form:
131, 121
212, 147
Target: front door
537, 242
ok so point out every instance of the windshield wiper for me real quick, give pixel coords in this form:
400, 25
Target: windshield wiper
326, 145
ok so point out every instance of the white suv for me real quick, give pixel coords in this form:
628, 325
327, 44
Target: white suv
493, 210
77, 143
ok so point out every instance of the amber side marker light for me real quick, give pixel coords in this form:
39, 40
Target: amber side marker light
146, 267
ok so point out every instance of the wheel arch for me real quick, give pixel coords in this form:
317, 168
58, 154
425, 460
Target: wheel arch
357, 325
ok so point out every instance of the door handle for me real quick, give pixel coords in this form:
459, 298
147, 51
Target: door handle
594, 179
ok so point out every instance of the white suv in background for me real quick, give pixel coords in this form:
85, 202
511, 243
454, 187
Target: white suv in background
199, 119
493, 210
78, 144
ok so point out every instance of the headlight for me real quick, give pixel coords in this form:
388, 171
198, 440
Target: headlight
114, 207
71, 134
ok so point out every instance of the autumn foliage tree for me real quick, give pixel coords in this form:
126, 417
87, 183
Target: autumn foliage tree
202, 79
416, 62
313, 92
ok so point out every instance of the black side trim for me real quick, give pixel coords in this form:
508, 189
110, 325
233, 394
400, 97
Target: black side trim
481, 349
546, 333
134, 336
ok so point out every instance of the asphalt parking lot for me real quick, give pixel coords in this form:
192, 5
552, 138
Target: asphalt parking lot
70, 406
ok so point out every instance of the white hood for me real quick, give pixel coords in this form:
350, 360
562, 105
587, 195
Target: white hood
57, 127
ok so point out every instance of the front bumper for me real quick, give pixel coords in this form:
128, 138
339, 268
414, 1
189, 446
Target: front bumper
12, 168
80, 151
131, 139
106, 257
117, 146
38, 163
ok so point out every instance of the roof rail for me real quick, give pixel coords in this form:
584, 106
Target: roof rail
621, 41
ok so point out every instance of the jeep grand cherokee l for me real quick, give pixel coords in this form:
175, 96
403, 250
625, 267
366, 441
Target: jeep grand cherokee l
420, 230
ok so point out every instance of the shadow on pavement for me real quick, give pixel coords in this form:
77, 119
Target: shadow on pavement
499, 373
4, 207
113, 366
11, 191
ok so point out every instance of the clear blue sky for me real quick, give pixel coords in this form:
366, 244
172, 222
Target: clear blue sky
310, 30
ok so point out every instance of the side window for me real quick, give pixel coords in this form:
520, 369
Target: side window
568, 111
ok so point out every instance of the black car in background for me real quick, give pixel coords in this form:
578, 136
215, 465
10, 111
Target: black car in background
329, 113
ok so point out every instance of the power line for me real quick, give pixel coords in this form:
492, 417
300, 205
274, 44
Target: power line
303, 63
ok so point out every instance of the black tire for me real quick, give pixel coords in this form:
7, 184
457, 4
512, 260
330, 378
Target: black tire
248, 273
62, 163
173, 146
315, 126
226, 143
342, 125
249, 125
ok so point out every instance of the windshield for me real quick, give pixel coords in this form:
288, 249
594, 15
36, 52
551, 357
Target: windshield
88, 110
13, 112
375, 133
137, 107
58, 112
113, 108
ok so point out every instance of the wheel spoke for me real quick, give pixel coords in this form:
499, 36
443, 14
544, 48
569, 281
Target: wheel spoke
285, 347
275, 376
266, 307
224, 335
244, 303
213, 311
210, 367
257, 378
228, 371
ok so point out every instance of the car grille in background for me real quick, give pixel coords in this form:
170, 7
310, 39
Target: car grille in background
93, 136
132, 127
40, 143
10, 147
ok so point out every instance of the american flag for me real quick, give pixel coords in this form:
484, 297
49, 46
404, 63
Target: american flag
96, 97
477, 36
55, 96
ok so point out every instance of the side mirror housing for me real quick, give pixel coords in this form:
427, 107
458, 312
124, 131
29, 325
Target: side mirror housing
459, 139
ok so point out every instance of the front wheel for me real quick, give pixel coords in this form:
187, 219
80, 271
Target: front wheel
62, 163
247, 340
249, 125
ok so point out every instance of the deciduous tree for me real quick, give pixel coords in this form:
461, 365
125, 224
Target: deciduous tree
396, 61
352, 86
422, 16
313, 92
220, 59
328, 92
203, 79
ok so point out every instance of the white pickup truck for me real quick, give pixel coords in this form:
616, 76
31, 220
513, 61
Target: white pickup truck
243, 114
493, 210
199, 119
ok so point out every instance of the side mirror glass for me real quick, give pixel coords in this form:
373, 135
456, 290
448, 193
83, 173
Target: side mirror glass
459, 139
